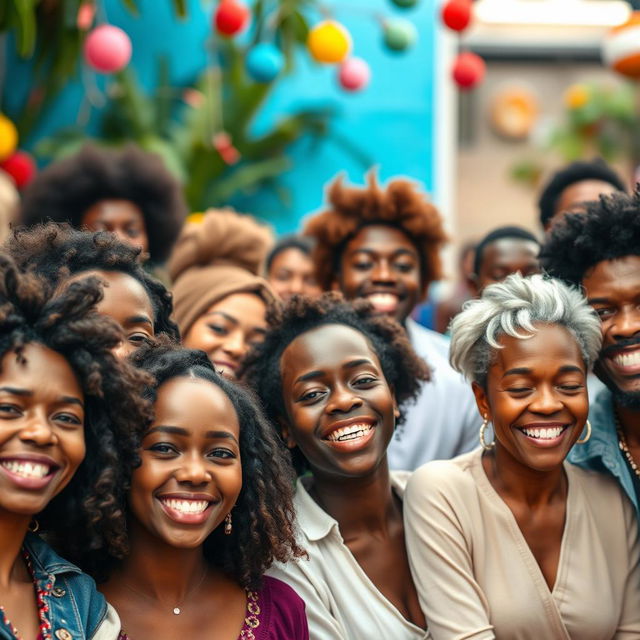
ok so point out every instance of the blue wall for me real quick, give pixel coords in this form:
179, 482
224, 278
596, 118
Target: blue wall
392, 121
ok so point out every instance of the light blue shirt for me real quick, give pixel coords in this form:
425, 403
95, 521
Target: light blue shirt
602, 451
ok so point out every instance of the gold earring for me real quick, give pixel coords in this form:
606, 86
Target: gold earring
228, 525
586, 438
34, 525
483, 428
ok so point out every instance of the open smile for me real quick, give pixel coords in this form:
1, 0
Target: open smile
626, 362
29, 473
194, 509
544, 435
350, 435
384, 302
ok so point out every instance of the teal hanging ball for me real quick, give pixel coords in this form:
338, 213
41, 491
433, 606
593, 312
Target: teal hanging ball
264, 62
405, 4
399, 34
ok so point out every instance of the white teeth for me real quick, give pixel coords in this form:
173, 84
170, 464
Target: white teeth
27, 469
543, 434
383, 301
630, 359
349, 433
186, 506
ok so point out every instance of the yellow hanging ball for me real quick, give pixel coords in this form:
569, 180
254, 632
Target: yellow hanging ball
329, 42
8, 137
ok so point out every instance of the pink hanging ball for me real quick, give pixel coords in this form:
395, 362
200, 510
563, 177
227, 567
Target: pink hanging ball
354, 74
107, 49
468, 70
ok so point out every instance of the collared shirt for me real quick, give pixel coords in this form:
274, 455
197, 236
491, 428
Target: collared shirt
444, 421
341, 601
602, 451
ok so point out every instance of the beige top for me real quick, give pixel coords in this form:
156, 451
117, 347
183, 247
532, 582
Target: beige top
477, 578
340, 600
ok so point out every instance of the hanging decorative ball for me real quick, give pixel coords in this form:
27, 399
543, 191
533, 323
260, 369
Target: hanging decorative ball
405, 4
8, 137
107, 49
399, 34
576, 97
264, 62
468, 70
21, 167
456, 14
621, 47
231, 17
329, 42
354, 74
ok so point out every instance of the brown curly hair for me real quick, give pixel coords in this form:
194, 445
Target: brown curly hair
399, 205
84, 514
403, 369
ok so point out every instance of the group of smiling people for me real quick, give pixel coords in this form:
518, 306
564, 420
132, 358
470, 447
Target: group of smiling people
256, 480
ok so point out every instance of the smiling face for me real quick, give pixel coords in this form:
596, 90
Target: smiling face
41, 428
504, 257
121, 217
536, 397
339, 408
191, 473
228, 329
292, 272
382, 264
613, 290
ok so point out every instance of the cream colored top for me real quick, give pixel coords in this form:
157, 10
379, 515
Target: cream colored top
477, 578
341, 601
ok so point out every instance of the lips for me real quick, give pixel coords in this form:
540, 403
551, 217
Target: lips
627, 362
226, 368
384, 302
544, 435
187, 508
29, 472
350, 433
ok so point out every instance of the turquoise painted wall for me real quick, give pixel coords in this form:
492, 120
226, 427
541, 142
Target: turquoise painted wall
392, 121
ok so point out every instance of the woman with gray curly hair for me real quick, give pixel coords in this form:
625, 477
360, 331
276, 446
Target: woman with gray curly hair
510, 541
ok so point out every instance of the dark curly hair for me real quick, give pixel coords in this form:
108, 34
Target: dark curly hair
596, 169
399, 205
263, 518
608, 229
85, 515
66, 189
402, 368
291, 241
57, 251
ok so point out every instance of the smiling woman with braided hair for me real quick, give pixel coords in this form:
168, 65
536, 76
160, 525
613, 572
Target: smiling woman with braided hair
68, 416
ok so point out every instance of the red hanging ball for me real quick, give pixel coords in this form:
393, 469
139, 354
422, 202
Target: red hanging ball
468, 70
456, 14
231, 17
21, 167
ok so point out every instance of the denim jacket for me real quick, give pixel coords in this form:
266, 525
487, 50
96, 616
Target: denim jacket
77, 611
602, 451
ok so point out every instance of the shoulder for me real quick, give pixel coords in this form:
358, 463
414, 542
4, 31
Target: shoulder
284, 610
601, 489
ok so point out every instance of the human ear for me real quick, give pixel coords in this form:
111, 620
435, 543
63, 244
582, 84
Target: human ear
285, 433
472, 283
482, 401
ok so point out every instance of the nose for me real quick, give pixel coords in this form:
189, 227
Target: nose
627, 323
545, 401
343, 400
123, 349
235, 344
296, 285
38, 431
382, 272
194, 471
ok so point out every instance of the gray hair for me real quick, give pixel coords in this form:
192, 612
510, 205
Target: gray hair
513, 308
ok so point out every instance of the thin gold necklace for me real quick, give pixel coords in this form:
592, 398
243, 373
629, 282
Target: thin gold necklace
177, 610
624, 447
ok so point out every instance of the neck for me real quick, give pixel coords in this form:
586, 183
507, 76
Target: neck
160, 571
13, 529
629, 420
521, 483
358, 504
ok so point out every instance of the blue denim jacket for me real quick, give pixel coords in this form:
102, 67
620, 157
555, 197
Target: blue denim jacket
76, 609
602, 451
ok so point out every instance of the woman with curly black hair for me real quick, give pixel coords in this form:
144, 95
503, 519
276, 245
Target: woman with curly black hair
128, 192
68, 416
332, 377
209, 509
139, 303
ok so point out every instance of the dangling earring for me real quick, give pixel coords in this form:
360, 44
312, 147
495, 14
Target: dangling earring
587, 424
483, 428
228, 525
34, 525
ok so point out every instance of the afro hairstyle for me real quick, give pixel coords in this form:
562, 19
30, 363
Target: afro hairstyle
402, 368
84, 515
578, 171
66, 189
607, 230
58, 251
399, 205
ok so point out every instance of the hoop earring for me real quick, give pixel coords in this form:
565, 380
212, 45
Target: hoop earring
587, 424
483, 428
228, 524
34, 525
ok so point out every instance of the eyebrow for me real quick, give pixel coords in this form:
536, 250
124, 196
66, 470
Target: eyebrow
26, 393
179, 431
400, 251
223, 314
597, 300
352, 364
568, 368
139, 320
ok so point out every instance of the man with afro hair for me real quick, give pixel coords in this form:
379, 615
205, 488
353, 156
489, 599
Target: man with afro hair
599, 250
383, 244
572, 186
127, 191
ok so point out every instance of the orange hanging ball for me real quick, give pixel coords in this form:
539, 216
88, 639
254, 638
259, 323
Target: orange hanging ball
8, 137
621, 47
329, 42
